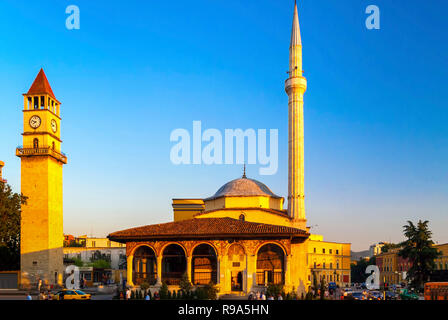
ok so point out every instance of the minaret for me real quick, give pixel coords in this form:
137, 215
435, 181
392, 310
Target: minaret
2, 164
295, 87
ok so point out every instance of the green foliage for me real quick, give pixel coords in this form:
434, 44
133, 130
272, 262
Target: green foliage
358, 269
200, 293
274, 290
144, 286
101, 264
180, 295
315, 284
10, 210
211, 290
132, 295
185, 284
387, 246
418, 248
309, 296
163, 292
78, 262
174, 295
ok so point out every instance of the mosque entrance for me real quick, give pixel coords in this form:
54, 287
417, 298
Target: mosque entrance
237, 281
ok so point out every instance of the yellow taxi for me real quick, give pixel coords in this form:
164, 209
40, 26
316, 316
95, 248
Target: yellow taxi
68, 294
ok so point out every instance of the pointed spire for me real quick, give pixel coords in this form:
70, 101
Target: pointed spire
41, 85
295, 34
244, 171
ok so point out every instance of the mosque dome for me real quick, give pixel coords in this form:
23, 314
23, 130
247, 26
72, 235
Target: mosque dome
243, 187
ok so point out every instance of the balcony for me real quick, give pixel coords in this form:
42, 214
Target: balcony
41, 151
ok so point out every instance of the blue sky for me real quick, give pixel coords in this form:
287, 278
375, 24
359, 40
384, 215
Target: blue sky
375, 110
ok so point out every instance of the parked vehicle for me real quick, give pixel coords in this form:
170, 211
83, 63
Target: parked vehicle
390, 295
67, 294
406, 295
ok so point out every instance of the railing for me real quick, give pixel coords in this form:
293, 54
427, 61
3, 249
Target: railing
172, 278
269, 277
204, 277
142, 277
41, 151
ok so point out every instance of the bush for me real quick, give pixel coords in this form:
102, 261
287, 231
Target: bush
163, 292
185, 284
144, 286
201, 293
211, 291
274, 290
132, 295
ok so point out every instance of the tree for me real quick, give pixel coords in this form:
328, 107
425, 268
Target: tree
358, 269
419, 249
10, 211
388, 246
185, 284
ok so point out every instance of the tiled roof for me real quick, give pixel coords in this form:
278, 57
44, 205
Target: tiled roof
282, 213
41, 85
206, 227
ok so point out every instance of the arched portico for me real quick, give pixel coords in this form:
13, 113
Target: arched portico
144, 266
174, 264
270, 265
204, 265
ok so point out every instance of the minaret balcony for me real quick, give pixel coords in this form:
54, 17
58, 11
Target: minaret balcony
41, 151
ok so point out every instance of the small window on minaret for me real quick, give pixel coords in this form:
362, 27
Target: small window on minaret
42, 102
36, 102
30, 103
54, 148
242, 217
35, 143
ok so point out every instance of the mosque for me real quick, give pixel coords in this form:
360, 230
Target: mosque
241, 238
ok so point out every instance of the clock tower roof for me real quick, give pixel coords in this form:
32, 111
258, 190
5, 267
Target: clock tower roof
41, 85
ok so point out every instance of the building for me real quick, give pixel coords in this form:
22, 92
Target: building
41, 181
329, 261
375, 249
2, 164
89, 249
393, 268
241, 238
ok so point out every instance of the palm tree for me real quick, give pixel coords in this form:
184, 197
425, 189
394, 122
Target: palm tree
419, 249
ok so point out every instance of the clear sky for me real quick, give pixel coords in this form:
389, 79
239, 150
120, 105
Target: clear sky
376, 134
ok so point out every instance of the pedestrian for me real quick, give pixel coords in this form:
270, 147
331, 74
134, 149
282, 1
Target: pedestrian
28, 296
271, 297
49, 295
147, 297
279, 297
263, 296
39, 284
258, 295
156, 295
128, 294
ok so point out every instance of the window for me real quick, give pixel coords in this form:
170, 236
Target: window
323, 265
242, 217
331, 251
35, 143
337, 251
323, 250
331, 265
315, 265
314, 250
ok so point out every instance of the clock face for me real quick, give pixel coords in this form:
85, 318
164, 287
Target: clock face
35, 122
54, 126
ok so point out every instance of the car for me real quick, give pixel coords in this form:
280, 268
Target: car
68, 294
406, 295
375, 295
358, 296
390, 295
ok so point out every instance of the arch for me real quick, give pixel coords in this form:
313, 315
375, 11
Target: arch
35, 143
144, 265
204, 265
270, 264
285, 251
174, 263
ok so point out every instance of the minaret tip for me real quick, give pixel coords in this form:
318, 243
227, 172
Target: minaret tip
244, 171
295, 35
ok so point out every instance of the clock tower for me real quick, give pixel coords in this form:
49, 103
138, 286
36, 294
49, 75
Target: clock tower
41, 181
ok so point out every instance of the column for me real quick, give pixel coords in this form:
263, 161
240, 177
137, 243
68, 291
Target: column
189, 259
288, 270
130, 261
159, 270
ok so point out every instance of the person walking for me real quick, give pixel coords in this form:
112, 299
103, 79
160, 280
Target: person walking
28, 296
128, 294
147, 297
